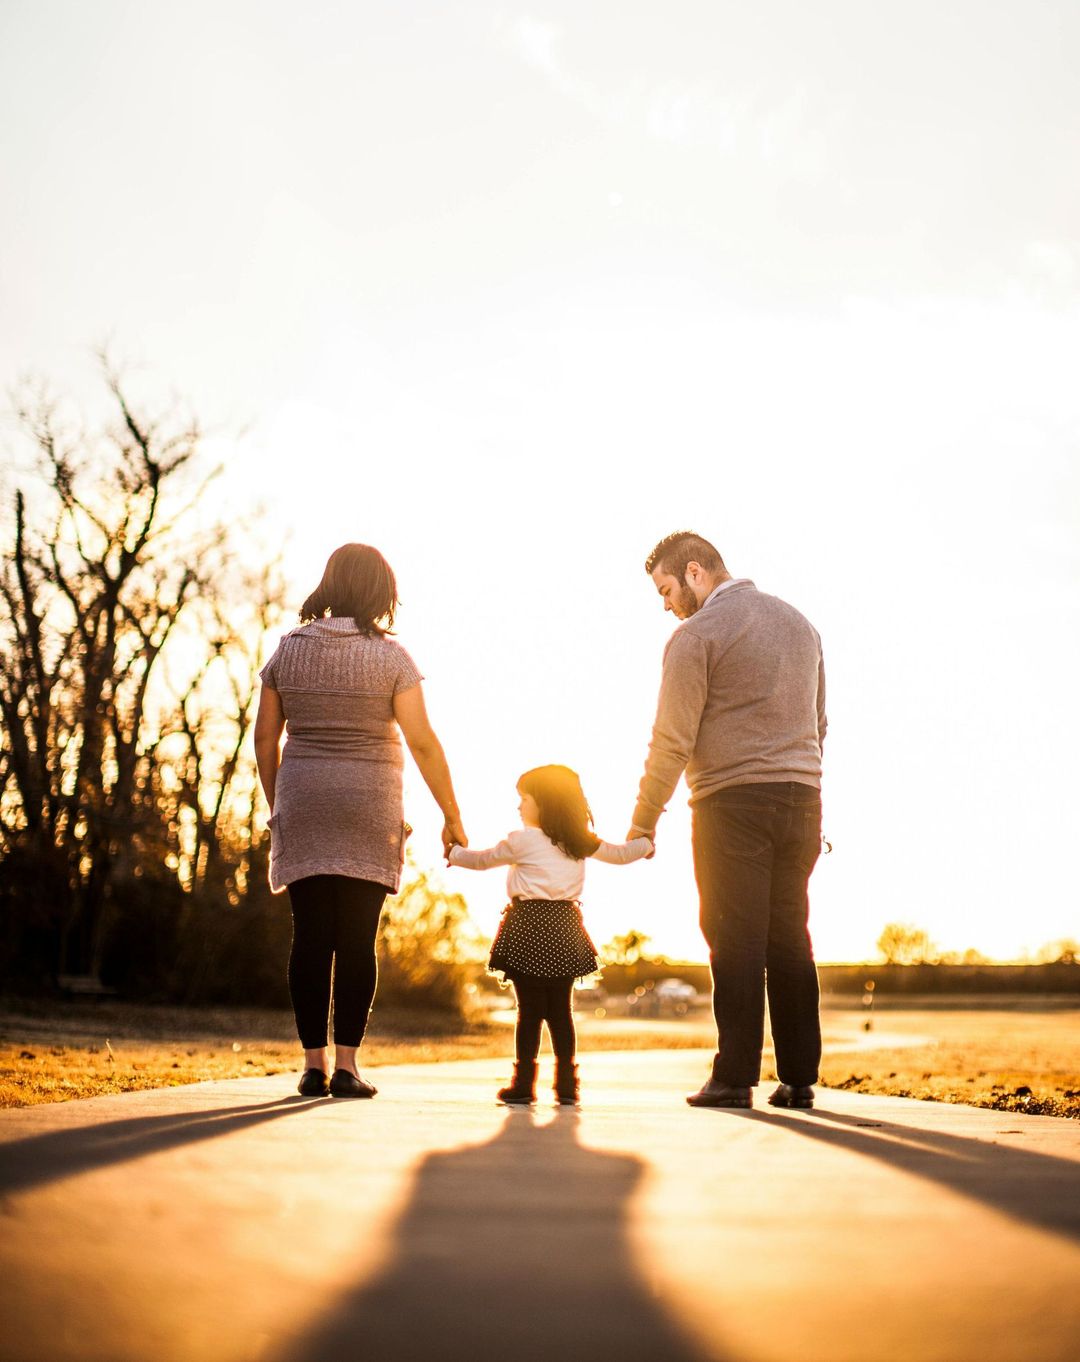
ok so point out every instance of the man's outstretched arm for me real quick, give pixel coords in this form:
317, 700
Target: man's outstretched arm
684, 689
822, 721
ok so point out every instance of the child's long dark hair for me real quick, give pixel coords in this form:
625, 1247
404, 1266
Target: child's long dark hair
565, 815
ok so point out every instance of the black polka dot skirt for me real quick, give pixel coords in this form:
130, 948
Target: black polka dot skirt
543, 939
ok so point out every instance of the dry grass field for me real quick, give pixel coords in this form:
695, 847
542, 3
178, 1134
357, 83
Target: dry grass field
57, 1051
1012, 1054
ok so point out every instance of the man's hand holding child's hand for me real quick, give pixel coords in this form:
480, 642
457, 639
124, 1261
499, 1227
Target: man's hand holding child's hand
650, 833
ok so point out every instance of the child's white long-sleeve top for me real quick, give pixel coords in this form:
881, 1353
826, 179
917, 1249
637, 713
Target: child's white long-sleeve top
539, 869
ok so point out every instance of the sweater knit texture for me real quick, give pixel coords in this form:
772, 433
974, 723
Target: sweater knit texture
337, 804
742, 701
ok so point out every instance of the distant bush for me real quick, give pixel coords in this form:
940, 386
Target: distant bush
161, 944
914, 979
428, 947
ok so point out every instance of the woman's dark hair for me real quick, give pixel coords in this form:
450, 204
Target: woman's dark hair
565, 815
358, 581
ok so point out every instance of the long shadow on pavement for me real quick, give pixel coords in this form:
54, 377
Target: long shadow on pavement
1033, 1188
39, 1159
515, 1248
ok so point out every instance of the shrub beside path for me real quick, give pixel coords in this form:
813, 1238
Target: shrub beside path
234, 1220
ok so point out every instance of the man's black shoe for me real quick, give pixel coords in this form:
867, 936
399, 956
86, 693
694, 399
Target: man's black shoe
717, 1094
788, 1096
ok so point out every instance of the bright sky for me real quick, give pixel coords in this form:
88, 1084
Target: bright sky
512, 292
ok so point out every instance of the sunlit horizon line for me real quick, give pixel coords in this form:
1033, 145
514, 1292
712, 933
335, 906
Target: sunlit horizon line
988, 962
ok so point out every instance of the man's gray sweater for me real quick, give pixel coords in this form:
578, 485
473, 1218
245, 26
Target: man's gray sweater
742, 701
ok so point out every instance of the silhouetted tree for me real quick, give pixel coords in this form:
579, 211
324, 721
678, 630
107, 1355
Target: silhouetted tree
1063, 952
626, 949
903, 944
117, 780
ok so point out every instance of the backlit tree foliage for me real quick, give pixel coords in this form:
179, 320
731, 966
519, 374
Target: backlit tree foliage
131, 624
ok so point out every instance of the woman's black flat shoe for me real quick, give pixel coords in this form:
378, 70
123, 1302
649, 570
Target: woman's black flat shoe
345, 1084
314, 1084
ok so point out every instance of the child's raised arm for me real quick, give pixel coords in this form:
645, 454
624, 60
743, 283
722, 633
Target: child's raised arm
503, 854
622, 853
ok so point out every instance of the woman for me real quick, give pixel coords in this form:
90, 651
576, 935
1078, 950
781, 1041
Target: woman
337, 837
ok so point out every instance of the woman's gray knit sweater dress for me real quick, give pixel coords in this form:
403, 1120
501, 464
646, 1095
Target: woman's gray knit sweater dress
337, 804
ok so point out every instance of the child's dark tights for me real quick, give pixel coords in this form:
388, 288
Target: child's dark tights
539, 1001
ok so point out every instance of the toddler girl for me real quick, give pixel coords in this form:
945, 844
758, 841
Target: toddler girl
542, 944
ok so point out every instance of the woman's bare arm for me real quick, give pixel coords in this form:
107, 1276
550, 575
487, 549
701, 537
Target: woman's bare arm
411, 714
269, 722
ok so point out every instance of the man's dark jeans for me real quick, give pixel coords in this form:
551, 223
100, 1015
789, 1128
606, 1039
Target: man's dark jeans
754, 849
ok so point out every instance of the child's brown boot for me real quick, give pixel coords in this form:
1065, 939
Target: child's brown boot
522, 1089
567, 1088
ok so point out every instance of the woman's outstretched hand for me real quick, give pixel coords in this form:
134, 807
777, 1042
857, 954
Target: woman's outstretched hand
453, 835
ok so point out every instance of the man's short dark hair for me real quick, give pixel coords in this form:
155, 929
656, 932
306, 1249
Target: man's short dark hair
675, 551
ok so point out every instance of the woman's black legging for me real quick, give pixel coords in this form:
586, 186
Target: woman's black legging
335, 920
539, 1001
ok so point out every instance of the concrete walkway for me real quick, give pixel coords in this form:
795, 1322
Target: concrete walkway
237, 1221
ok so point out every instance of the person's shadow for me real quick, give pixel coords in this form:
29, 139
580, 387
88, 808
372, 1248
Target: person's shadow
39, 1159
1025, 1184
515, 1248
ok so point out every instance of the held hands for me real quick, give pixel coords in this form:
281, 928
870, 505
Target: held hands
453, 835
650, 833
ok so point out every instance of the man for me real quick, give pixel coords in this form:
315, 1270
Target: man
742, 712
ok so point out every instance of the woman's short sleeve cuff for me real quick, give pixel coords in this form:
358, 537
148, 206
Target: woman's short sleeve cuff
409, 674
